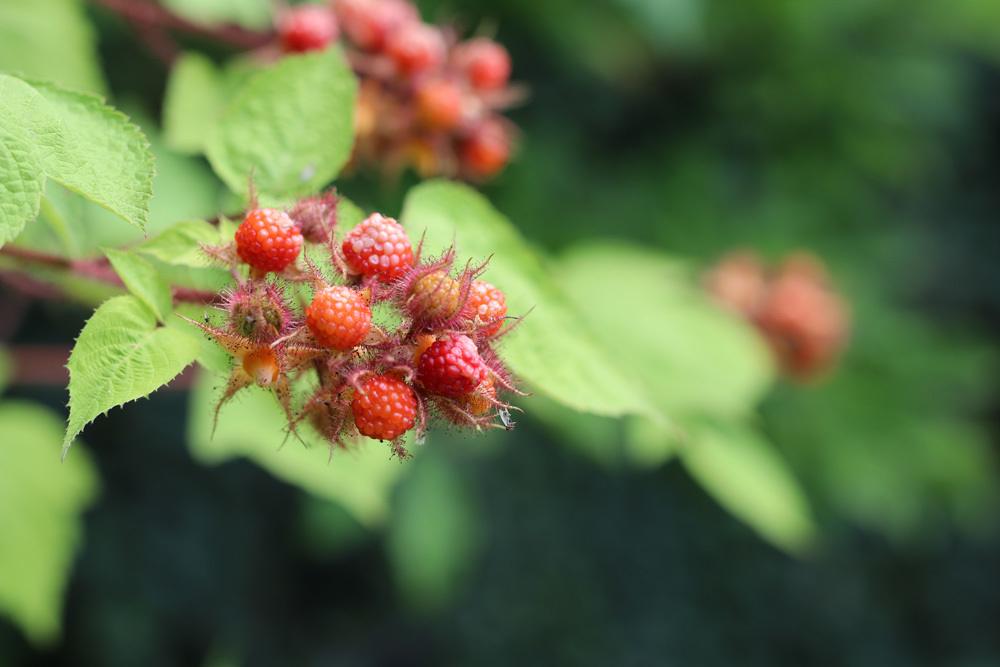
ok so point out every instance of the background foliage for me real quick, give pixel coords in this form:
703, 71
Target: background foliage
659, 135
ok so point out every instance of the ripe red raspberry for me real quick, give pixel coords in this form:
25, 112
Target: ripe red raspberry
307, 28
488, 305
436, 296
485, 63
268, 240
385, 408
338, 317
440, 104
415, 48
452, 367
368, 23
486, 150
378, 247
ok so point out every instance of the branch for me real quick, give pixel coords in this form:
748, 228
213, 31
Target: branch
94, 269
45, 366
152, 15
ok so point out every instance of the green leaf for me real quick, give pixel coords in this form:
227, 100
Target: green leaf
51, 40
550, 349
102, 156
192, 103
749, 478
433, 534
291, 126
181, 245
21, 184
75, 140
41, 502
691, 357
121, 355
360, 478
142, 280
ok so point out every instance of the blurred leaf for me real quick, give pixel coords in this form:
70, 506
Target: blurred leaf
182, 244
750, 479
253, 14
142, 280
433, 534
192, 103
50, 40
252, 425
549, 349
291, 126
122, 354
691, 357
40, 505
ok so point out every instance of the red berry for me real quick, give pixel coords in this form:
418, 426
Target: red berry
486, 150
436, 296
440, 104
415, 47
384, 408
485, 63
339, 317
488, 305
378, 247
368, 23
268, 240
452, 367
307, 28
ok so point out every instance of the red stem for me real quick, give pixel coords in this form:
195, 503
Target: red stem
94, 269
150, 14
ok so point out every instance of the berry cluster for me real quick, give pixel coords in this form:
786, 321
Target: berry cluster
438, 359
795, 307
427, 100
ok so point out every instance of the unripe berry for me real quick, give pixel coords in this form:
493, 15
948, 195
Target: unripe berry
268, 240
488, 305
452, 367
307, 28
378, 247
479, 402
415, 48
440, 104
486, 150
368, 23
384, 408
436, 296
738, 283
258, 311
262, 365
485, 63
339, 317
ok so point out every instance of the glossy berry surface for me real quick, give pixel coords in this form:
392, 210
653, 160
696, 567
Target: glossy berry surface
378, 247
268, 240
384, 408
436, 296
486, 150
488, 305
485, 63
307, 28
452, 367
439, 104
415, 48
338, 317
